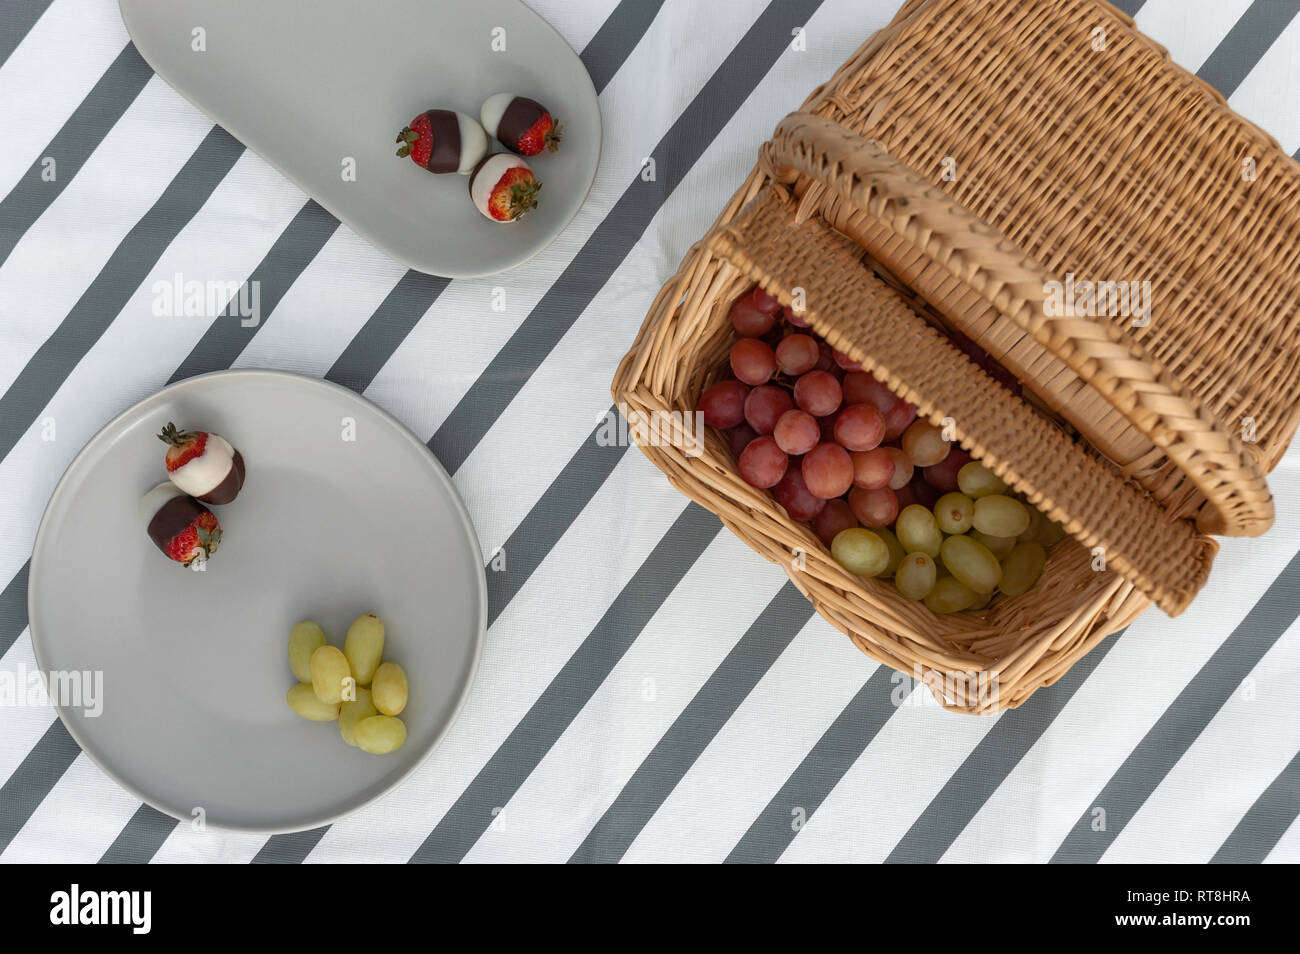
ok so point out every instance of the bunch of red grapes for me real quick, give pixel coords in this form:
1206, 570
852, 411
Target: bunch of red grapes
835, 446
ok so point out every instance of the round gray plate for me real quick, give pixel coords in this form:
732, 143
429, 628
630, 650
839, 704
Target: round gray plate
194, 664
310, 84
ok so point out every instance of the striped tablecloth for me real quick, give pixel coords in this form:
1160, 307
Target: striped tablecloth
650, 690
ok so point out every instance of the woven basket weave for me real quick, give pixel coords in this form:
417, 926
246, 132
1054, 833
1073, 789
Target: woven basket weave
1110, 164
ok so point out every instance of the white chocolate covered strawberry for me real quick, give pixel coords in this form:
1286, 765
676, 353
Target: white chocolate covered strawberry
203, 465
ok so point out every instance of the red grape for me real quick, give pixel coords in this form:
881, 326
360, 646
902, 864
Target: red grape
748, 321
898, 418
943, 475
826, 358
764, 302
764, 407
762, 463
902, 464
828, 470
926, 495
827, 425
847, 363
837, 515
797, 432
874, 508
752, 360
793, 494
860, 427
873, 468
723, 404
924, 444
818, 393
797, 354
741, 435
906, 495
861, 388
798, 320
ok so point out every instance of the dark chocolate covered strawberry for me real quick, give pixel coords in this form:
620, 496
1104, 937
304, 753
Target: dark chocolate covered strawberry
203, 465
523, 125
443, 140
182, 528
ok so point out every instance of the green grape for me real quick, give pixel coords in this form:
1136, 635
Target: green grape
998, 546
982, 601
971, 563
917, 531
940, 571
1036, 521
860, 551
1001, 516
1053, 534
976, 480
953, 512
950, 596
896, 551
1022, 568
915, 576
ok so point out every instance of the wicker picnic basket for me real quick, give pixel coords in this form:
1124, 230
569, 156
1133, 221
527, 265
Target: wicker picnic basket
1079, 149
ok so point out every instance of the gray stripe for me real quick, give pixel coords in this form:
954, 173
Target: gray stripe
696, 727
1248, 40
140, 840
16, 21
1180, 724
1263, 826
27, 787
821, 770
617, 37
13, 609
952, 810
591, 268
71, 146
116, 282
985, 769
227, 336
1131, 7
562, 700
549, 519
364, 356
610, 243
385, 330
289, 849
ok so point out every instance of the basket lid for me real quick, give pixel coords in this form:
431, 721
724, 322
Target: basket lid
1168, 560
1043, 142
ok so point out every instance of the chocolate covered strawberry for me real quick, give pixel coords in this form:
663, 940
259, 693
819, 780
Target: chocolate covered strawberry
523, 125
181, 527
203, 465
443, 140
503, 187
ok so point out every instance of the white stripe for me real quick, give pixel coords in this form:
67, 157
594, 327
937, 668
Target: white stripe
325, 308
62, 253
1112, 711
45, 79
77, 821
1196, 807
24, 725
1267, 95
521, 657
1287, 849
210, 846
1189, 29
555, 808
461, 333
139, 350
758, 748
